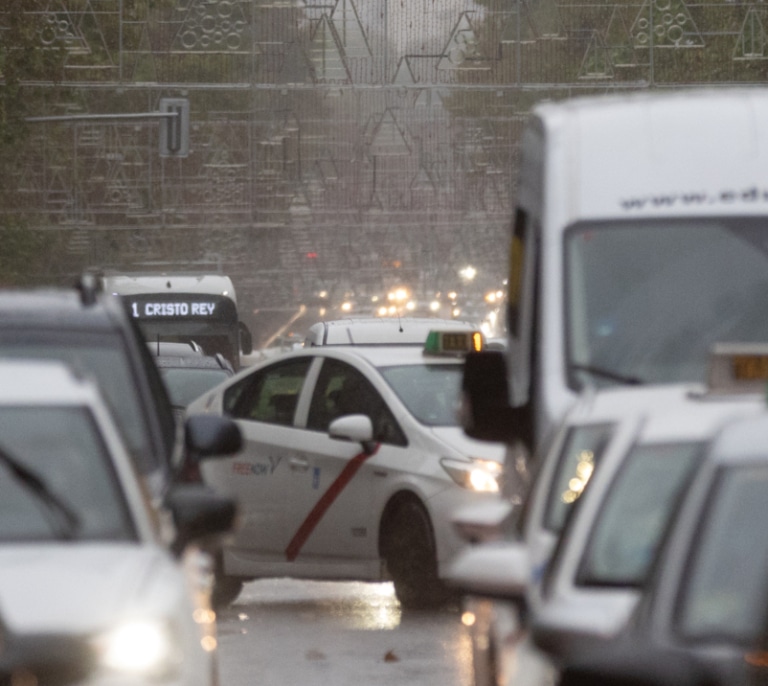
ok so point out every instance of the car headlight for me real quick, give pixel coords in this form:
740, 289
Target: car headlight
475, 474
145, 647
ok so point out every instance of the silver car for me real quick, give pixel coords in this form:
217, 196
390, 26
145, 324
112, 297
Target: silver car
589, 586
83, 552
703, 616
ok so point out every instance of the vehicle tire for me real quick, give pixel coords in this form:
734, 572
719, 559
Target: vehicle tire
225, 591
225, 588
409, 551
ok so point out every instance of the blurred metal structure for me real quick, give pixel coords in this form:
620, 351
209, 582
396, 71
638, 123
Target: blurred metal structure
336, 145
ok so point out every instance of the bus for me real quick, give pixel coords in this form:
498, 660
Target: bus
185, 307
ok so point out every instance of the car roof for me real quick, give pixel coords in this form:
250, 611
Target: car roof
742, 440
56, 308
684, 411
376, 355
193, 362
34, 382
380, 330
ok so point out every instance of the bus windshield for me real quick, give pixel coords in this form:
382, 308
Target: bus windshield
646, 300
209, 320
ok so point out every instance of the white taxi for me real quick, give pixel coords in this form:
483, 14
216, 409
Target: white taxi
83, 554
353, 464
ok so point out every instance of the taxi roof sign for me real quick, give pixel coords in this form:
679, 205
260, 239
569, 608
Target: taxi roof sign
453, 342
738, 368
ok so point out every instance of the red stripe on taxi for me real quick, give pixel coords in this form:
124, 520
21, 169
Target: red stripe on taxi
322, 505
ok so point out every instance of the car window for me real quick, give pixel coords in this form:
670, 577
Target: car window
105, 357
580, 453
162, 403
635, 514
268, 395
723, 594
185, 384
342, 390
63, 448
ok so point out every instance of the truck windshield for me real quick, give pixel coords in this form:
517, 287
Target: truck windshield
646, 300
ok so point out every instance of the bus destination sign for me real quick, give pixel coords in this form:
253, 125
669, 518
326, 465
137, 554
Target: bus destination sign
179, 307
173, 309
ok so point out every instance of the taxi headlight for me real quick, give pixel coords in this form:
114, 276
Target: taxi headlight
475, 474
140, 647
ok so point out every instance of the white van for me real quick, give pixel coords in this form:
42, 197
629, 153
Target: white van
640, 239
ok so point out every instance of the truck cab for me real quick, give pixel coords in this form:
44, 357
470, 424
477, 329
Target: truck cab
639, 241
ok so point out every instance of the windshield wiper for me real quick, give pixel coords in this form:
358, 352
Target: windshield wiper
67, 520
607, 374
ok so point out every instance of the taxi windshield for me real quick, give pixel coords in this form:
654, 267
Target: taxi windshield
429, 391
646, 300
721, 599
71, 490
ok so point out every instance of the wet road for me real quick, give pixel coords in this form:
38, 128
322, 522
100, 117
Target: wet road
284, 632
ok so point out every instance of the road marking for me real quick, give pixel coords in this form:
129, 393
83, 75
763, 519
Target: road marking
326, 500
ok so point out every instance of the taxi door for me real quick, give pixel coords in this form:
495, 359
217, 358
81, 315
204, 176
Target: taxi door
332, 516
263, 405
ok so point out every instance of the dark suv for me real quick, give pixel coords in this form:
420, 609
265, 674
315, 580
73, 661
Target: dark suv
94, 334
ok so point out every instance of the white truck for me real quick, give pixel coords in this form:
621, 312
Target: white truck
640, 239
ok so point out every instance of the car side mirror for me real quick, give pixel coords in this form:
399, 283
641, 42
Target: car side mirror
353, 427
494, 569
485, 412
198, 513
482, 522
246, 339
211, 436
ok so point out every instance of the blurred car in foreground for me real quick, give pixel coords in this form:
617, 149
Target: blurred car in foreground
44, 658
83, 552
706, 603
94, 334
354, 462
598, 420
589, 586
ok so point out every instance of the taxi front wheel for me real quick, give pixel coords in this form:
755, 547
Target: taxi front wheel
409, 551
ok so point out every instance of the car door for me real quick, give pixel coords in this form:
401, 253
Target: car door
263, 404
332, 513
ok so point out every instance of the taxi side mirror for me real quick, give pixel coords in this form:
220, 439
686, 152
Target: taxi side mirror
353, 427
485, 411
211, 436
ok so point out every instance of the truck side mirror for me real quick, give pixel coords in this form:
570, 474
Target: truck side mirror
486, 413
246, 339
